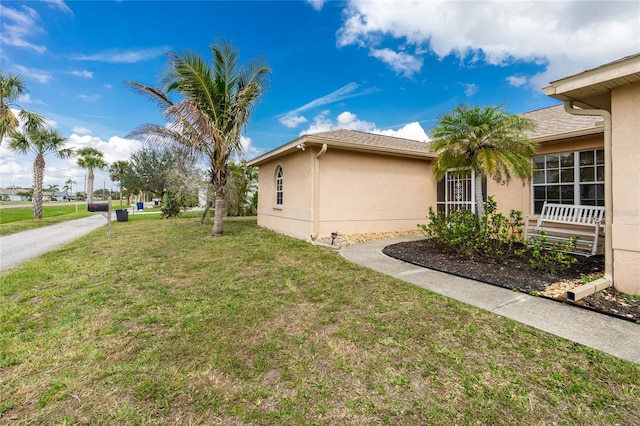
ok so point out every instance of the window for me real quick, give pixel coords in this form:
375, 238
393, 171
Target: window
569, 178
279, 181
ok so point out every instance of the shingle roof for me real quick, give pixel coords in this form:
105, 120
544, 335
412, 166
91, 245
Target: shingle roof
371, 140
355, 141
555, 120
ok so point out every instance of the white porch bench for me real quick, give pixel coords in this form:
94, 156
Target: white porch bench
561, 222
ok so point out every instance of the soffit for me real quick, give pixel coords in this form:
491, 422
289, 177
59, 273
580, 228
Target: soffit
592, 88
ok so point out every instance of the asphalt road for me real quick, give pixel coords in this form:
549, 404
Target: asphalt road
16, 248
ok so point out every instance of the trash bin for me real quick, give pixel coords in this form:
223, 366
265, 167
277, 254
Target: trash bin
122, 215
140, 205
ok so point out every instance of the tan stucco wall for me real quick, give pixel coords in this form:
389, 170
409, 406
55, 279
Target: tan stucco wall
358, 193
625, 114
362, 193
294, 216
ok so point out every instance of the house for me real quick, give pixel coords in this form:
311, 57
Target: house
14, 194
344, 181
353, 182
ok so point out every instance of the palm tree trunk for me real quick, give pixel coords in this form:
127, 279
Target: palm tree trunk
219, 181
478, 196
90, 187
218, 216
38, 177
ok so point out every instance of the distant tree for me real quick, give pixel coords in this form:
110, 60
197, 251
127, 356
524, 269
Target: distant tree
11, 88
161, 170
218, 99
242, 184
39, 141
90, 159
485, 140
118, 172
68, 186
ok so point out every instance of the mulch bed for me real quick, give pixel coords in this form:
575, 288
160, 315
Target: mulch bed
515, 273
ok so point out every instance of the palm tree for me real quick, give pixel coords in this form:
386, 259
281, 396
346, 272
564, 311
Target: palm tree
40, 141
11, 88
489, 141
68, 187
217, 101
90, 159
117, 172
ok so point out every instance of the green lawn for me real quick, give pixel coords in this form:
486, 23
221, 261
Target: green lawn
160, 324
18, 219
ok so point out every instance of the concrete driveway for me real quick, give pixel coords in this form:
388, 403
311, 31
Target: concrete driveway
16, 248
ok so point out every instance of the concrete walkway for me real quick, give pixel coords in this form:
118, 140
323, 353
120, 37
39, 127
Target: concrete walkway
611, 335
16, 248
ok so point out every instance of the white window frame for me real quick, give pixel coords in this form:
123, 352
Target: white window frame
577, 184
279, 181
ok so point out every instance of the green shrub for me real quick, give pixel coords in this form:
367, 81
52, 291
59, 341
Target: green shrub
549, 257
495, 236
456, 230
499, 236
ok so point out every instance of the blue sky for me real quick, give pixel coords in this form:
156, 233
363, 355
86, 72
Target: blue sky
383, 66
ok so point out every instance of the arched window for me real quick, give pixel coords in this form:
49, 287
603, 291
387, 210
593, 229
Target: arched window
279, 182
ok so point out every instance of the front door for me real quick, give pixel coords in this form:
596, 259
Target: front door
456, 191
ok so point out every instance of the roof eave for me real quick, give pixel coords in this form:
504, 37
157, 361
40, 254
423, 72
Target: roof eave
311, 140
569, 135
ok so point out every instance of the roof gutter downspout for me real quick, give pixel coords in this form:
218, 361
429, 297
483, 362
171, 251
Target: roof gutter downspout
607, 281
316, 192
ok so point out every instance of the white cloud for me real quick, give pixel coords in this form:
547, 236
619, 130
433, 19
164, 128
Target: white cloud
115, 149
60, 4
401, 63
119, 56
17, 169
409, 131
89, 98
81, 130
470, 89
293, 121
317, 4
565, 36
248, 150
292, 118
26, 98
41, 76
347, 120
517, 81
83, 73
18, 26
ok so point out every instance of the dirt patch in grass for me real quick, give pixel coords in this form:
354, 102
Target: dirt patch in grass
515, 273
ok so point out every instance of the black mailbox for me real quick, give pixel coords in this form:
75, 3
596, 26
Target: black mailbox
98, 207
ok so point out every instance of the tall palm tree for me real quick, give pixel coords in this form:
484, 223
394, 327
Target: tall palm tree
90, 159
487, 140
218, 99
68, 186
11, 88
117, 172
39, 141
